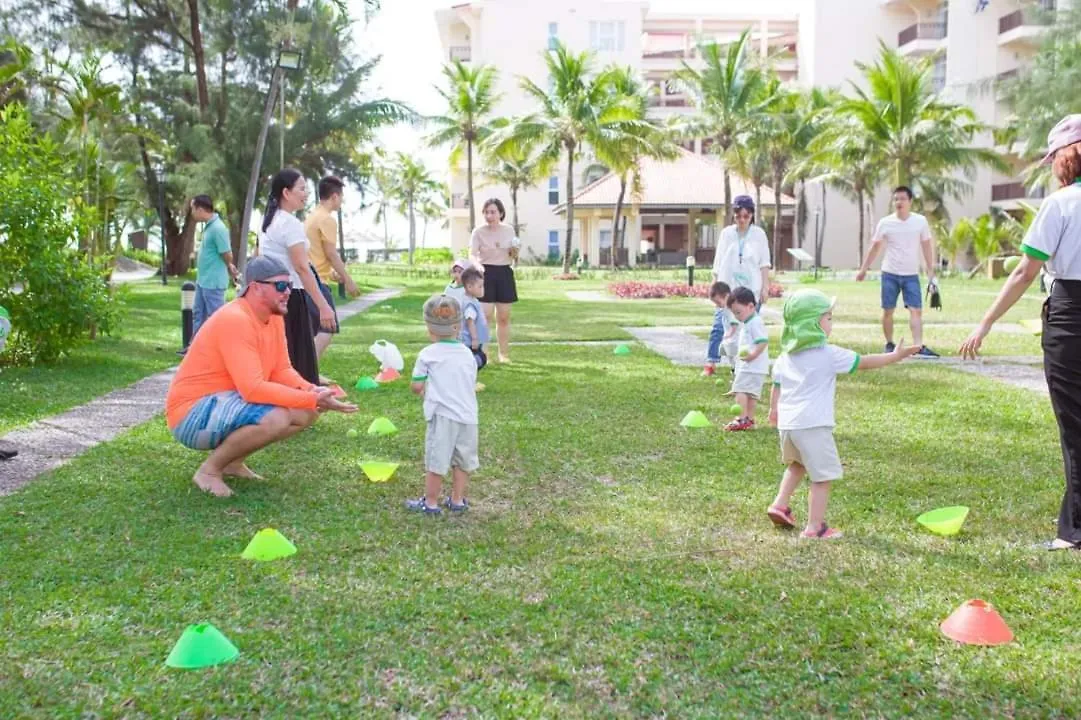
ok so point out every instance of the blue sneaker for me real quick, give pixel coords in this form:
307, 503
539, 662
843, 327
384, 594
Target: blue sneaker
890, 347
456, 508
421, 505
926, 352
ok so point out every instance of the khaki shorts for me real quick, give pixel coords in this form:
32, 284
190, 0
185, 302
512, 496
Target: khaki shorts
814, 449
450, 444
748, 383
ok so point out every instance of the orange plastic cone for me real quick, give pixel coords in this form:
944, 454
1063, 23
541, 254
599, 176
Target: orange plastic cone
977, 623
387, 375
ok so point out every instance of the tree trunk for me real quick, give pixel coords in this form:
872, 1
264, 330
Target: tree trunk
223, 100
759, 215
199, 56
514, 211
469, 182
778, 175
801, 213
570, 211
615, 221
859, 200
820, 240
386, 230
727, 198
253, 178
412, 231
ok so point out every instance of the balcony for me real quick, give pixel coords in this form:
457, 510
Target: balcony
460, 52
1008, 196
1024, 28
921, 38
459, 205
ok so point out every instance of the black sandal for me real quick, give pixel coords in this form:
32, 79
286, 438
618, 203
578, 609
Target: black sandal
8, 454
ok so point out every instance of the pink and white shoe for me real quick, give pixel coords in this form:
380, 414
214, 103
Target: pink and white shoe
823, 533
707, 371
781, 516
740, 425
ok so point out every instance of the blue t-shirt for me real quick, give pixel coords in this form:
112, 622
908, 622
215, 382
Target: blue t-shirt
212, 272
471, 310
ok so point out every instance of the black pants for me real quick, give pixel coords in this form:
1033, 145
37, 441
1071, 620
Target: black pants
1062, 366
480, 356
299, 337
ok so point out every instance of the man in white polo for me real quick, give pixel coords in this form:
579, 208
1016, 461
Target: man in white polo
906, 236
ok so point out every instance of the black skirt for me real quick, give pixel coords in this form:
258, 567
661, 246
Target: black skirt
299, 338
499, 284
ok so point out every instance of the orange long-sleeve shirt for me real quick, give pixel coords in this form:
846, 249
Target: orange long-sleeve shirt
234, 350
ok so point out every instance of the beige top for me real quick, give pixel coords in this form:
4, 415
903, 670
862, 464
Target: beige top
492, 247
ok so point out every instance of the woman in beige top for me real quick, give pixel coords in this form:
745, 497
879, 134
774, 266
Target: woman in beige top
495, 247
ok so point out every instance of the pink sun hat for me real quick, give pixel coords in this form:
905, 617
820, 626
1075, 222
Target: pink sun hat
1066, 133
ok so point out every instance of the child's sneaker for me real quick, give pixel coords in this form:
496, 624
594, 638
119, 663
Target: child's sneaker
456, 508
781, 516
823, 533
740, 424
707, 371
421, 505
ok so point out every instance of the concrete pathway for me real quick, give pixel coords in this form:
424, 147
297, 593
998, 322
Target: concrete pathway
53, 441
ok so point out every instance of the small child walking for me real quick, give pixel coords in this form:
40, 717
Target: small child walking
474, 325
454, 289
802, 406
723, 333
753, 362
446, 375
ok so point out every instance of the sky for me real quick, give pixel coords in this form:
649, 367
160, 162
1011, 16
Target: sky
405, 36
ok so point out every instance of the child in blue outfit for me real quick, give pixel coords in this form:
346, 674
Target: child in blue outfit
723, 334
474, 324
801, 406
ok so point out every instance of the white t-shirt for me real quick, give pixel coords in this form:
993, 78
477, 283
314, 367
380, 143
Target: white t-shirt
751, 334
808, 381
449, 372
739, 261
1055, 234
284, 232
902, 238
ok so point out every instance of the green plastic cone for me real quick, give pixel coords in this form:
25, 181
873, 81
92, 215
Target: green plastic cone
944, 521
378, 471
382, 426
366, 383
268, 544
695, 419
201, 646
622, 350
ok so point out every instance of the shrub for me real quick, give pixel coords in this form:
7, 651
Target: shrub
146, 257
54, 294
433, 256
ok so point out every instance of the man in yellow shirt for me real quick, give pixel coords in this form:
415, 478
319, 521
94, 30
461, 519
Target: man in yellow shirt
322, 230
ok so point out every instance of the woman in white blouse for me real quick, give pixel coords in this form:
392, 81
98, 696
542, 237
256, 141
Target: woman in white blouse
283, 238
494, 246
1054, 242
742, 256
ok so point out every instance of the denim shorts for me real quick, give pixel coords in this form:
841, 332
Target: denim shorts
908, 286
215, 417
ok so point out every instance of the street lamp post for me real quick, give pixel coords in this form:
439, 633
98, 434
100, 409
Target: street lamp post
818, 253
159, 171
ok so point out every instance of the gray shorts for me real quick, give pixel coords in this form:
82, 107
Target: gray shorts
749, 383
814, 449
450, 444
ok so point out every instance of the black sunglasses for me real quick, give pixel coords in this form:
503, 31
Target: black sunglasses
279, 285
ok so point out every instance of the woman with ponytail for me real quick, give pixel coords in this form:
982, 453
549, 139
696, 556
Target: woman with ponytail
283, 238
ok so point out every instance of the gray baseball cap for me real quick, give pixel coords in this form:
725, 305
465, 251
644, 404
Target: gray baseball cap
261, 268
442, 315
1066, 133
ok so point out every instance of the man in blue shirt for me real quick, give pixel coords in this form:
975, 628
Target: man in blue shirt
215, 264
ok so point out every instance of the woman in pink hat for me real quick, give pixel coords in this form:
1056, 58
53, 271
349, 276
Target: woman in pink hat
1054, 242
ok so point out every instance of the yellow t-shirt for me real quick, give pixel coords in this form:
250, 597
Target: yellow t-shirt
321, 228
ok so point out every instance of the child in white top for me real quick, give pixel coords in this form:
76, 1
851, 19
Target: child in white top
801, 406
722, 336
454, 289
752, 365
445, 374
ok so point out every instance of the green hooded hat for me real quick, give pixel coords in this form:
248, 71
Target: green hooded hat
802, 311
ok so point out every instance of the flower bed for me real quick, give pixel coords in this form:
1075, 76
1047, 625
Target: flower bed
637, 290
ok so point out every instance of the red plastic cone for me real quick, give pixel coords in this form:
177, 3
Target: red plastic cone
387, 375
976, 623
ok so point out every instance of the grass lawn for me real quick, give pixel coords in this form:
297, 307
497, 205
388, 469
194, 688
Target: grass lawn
614, 564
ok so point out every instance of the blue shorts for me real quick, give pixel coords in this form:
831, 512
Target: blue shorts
907, 286
215, 417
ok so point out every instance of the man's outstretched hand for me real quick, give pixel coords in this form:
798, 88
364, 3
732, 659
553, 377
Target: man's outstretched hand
327, 401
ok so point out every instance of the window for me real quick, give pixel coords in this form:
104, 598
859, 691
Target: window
553, 244
553, 35
606, 239
938, 75
553, 190
606, 36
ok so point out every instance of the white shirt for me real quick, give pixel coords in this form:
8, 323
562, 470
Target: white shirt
1055, 234
808, 381
738, 260
284, 232
902, 238
449, 374
752, 333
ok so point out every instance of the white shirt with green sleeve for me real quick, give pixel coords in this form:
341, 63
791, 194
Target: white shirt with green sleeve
1055, 235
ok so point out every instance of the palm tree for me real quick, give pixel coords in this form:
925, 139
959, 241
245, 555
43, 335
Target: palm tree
750, 159
850, 161
952, 241
988, 238
923, 141
728, 96
622, 152
515, 167
470, 96
580, 111
410, 183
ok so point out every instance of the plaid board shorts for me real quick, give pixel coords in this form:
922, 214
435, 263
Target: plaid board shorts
215, 417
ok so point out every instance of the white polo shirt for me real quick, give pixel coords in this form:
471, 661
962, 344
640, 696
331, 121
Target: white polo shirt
1055, 234
902, 238
808, 382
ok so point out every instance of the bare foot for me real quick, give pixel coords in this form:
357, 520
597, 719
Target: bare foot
212, 484
240, 470
504, 360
